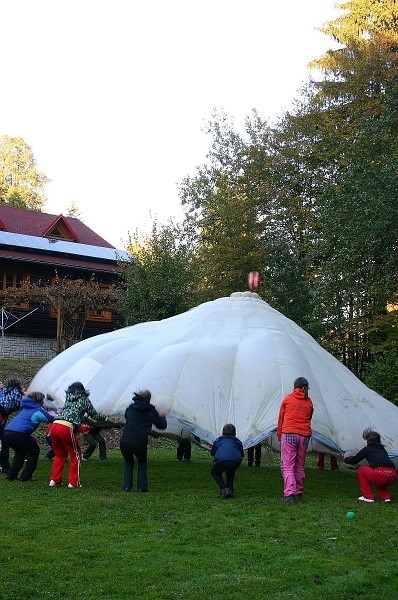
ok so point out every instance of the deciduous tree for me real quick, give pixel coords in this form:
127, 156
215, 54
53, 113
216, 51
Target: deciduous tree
159, 280
69, 299
21, 184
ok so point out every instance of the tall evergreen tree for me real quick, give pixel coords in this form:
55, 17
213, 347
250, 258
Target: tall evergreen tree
360, 234
357, 105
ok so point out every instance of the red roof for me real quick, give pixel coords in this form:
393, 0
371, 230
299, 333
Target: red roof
29, 222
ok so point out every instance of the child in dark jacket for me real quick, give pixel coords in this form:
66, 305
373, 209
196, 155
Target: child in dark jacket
94, 438
227, 452
381, 470
19, 436
140, 416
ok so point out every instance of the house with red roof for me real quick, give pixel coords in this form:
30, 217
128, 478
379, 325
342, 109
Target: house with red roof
41, 248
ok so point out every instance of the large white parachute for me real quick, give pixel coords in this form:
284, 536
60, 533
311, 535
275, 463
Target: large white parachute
231, 360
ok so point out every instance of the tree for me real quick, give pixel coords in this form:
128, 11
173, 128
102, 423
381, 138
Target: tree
320, 188
21, 184
159, 280
253, 206
356, 107
360, 231
288, 173
69, 299
219, 203
365, 66
230, 245
73, 210
382, 376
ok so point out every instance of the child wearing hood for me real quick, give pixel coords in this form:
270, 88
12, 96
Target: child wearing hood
140, 416
63, 433
294, 432
19, 436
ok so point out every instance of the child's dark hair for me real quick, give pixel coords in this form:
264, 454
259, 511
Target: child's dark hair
229, 429
145, 394
372, 437
37, 397
13, 383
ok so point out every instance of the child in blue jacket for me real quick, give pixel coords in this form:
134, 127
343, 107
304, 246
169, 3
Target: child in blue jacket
227, 451
10, 401
19, 436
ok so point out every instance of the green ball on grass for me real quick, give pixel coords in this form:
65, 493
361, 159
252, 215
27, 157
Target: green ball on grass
350, 515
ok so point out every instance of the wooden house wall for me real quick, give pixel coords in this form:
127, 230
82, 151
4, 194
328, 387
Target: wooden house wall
40, 323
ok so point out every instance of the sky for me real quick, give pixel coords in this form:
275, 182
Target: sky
112, 96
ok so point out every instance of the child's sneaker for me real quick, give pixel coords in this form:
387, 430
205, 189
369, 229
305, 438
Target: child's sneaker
363, 499
54, 484
74, 486
387, 500
227, 493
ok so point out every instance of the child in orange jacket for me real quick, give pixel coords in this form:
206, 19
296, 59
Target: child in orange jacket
294, 432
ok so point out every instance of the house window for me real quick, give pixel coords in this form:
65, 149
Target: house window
12, 280
98, 315
103, 316
61, 231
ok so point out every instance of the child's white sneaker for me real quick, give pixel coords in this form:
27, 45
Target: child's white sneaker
363, 499
54, 484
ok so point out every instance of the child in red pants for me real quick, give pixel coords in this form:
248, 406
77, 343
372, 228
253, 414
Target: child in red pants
381, 470
321, 462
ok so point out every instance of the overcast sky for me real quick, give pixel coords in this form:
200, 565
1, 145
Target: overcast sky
112, 95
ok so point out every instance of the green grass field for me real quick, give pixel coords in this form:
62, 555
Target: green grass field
183, 541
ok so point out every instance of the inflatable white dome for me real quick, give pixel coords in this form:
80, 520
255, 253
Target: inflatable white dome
231, 360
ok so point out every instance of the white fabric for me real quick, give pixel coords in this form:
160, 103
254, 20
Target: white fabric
231, 360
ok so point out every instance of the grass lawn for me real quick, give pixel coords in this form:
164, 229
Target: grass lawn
24, 370
182, 541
